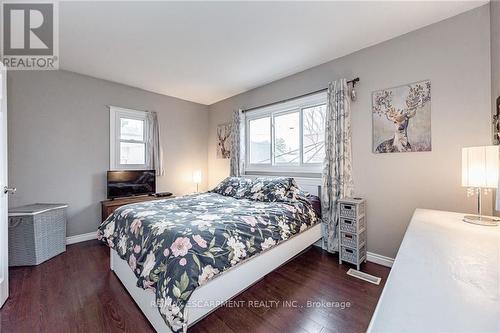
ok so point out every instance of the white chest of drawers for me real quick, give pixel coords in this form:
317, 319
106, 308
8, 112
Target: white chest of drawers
446, 278
352, 231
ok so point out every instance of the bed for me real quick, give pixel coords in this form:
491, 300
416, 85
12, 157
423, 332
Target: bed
182, 258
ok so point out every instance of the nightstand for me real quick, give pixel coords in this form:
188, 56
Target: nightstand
352, 231
109, 206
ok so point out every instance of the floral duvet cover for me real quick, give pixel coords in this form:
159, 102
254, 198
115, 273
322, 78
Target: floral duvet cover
176, 245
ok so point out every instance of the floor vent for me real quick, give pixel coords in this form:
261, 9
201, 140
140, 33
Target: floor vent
364, 276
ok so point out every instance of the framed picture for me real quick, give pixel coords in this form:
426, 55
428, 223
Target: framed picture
224, 140
402, 118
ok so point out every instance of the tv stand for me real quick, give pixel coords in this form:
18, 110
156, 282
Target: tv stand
109, 206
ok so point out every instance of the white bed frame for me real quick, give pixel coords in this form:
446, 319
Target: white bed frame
223, 287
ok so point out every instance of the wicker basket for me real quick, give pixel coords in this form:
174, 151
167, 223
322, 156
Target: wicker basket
351, 255
352, 225
36, 233
350, 240
352, 207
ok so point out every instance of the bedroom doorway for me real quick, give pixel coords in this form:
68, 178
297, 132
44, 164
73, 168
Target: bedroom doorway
4, 190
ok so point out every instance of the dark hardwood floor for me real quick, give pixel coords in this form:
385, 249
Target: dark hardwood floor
76, 292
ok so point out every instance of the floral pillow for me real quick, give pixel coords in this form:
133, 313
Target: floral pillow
232, 185
268, 189
283, 189
295, 194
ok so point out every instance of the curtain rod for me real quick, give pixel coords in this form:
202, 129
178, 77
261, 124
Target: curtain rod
353, 81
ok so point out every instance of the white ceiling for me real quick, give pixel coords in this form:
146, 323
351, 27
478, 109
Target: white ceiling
207, 51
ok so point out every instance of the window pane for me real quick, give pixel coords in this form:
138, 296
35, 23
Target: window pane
260, 141
132, 153
131, 129
314, 134
287, 138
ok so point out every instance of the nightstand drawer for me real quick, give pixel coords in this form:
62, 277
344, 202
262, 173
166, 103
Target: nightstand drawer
352, 225
352, 210
347, 210
352, 255
351, 240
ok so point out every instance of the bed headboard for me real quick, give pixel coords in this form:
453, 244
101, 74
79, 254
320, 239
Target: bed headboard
311, 185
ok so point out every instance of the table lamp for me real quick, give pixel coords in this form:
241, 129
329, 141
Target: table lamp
197, 178
480, 173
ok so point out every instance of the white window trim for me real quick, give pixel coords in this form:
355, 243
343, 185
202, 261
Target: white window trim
115, 113
272, 111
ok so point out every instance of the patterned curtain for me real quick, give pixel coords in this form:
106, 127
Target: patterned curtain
154, 147
337, 167
236, 162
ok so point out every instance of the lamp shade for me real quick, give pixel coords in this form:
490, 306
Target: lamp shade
197, 177
480, 166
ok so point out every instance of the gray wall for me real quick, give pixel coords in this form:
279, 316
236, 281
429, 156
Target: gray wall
455, 55
59, 140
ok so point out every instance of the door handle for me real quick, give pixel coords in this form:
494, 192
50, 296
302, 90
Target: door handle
9, 190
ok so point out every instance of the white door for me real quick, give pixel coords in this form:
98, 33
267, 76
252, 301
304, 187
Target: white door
4, 265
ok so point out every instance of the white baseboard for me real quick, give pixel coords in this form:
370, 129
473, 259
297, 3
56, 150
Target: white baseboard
371, 257
81, 238
379, 259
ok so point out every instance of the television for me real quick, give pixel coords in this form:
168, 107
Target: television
127, 183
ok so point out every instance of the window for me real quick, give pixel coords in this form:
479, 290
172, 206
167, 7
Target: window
288, 136
260, 141
313, 134
128, 139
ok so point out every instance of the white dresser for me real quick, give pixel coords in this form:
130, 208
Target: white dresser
446, 278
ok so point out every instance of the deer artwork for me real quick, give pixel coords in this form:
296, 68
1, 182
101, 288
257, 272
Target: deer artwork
223, 135
419, 94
